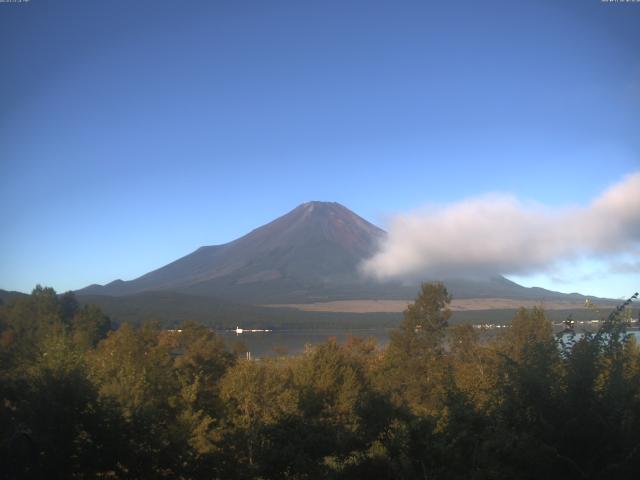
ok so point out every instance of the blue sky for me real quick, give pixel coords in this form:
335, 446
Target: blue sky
132, 133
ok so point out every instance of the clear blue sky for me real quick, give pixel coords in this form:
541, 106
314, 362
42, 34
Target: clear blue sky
133, 132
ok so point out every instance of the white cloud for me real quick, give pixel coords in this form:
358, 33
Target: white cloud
501, 234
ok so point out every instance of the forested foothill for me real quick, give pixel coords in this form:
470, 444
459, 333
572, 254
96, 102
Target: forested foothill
79, 399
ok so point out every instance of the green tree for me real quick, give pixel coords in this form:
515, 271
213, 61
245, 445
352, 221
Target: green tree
258, 396
473, 364
525, 405
89, 325
52, 424
200, 362
134, 372
413, 366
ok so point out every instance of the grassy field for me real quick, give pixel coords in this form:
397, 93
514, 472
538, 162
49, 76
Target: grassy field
464, 304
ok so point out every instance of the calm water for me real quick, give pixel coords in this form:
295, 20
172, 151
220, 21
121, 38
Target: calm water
635, 333
291, 342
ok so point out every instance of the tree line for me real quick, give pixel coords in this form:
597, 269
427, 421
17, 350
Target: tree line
81, 400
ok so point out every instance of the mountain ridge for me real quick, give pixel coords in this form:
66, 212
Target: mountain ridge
310, 254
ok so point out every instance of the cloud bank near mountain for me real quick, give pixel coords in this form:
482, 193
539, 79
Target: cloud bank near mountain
501, 234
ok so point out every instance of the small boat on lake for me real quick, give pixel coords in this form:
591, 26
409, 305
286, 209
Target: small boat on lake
239, 330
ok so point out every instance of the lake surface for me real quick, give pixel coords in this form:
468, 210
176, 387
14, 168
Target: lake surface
635, 333
291, 342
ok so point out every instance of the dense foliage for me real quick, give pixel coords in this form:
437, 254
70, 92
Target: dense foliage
80, 400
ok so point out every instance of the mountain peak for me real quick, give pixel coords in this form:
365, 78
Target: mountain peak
314, 245
309, 254
316, 221
317, 207
319, 203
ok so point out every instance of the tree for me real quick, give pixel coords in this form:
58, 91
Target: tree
133, 372
50, 420
200, 361
524, 411
472, 364
413, 367
258, 395
89, 326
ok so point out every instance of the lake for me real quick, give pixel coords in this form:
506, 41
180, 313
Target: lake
291, 342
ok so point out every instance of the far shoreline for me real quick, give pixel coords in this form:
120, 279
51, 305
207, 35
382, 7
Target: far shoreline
457, 305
